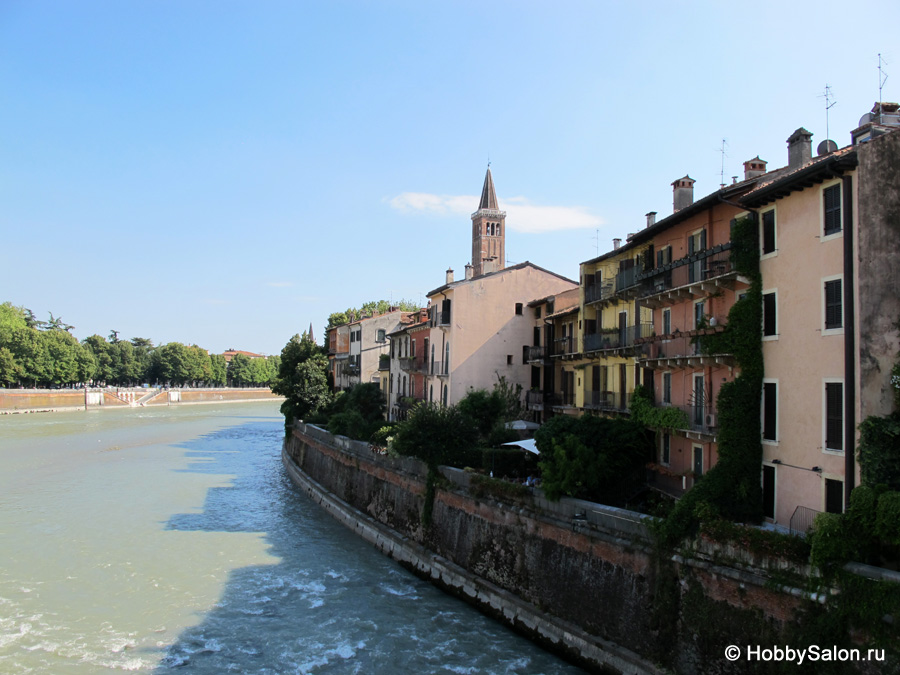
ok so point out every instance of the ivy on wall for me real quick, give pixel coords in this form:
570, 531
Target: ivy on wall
731, 489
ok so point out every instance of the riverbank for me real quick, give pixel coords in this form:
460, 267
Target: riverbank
582, 579
20, 401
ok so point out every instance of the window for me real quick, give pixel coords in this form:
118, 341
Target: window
768, 232
537, 312
770, 411
834, 496
519, 308
770, 326
832, 209
380, 335
667, 322
509, 359
698, 461
834, 416
834, 314
768, 490
699, 313
412, 349
446, 363
667, 387
665, 455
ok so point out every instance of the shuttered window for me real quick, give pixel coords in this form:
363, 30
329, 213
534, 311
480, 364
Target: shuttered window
834, 416
769, 314
834, 314
770, 411
768, 232
832, 197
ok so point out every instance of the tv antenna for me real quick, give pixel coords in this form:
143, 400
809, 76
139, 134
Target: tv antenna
724, 155
829, 104
596, 239
882, 78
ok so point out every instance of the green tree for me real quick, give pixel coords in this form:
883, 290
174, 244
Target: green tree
218, 369
104, 370
302, 378
240, 370
435, 434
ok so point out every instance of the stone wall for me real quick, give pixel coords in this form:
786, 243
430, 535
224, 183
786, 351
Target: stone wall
597, 574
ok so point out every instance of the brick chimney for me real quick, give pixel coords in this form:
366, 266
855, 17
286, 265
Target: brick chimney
682, 193
754, 167
799, 148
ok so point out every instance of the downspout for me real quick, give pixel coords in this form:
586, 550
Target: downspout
849, 344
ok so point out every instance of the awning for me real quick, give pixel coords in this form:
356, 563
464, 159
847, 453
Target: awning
528, 444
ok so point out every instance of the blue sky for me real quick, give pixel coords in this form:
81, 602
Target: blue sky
226, 173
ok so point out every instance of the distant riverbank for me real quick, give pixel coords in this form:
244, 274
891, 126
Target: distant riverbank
14, 401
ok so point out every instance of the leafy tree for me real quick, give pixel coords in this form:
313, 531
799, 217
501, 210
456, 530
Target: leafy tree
218, 369
592, 457
302, 378
435, 434
10, 370
104, 369
370, 308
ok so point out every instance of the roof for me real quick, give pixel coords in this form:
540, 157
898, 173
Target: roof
488, 194
231, 353
819, 169
505, 270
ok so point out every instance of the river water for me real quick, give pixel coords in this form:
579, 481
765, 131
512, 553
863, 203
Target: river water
170, 539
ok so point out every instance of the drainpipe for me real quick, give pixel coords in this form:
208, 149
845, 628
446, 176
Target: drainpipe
849, 344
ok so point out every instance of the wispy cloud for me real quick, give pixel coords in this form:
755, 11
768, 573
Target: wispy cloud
521, 214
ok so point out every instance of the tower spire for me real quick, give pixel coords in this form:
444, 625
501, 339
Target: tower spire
488, 231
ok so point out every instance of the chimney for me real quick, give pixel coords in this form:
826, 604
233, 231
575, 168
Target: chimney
450, 276
682, 193
470, 271
754, 167
799, 148
651, 218
489, 265
616, 243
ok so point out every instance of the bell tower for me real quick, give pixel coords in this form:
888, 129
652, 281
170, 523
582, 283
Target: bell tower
488, 231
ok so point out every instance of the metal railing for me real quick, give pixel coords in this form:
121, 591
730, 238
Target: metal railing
629, 277
436, 368
534, 399
617, 338
536, 354
599, 292
688, 270
699, 416
802, 519
606, 400
562, 346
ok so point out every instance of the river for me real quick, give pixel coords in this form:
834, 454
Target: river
170, 540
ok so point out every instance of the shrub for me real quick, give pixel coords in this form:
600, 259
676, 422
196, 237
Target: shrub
435, 434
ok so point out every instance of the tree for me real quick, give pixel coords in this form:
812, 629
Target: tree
302, 378
435, 434
218, 369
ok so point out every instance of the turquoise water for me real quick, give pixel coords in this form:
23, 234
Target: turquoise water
170, 539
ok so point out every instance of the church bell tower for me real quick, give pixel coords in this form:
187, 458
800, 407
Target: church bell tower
488, 232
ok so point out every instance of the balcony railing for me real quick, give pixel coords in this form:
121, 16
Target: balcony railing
443, 318
628, 278
700, 417
536, 354
617, 338
561, 399
563, 346
411, 364
534, 400
689, 270
436, 368
599, 292
606, 400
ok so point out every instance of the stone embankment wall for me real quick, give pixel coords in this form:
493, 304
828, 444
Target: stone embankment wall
579, 577
39, 400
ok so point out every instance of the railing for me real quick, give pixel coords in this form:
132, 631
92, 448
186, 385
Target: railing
536, 354
629, 277
562, 399
700, 416
683, 345
689, 270
534, 399
411, 364
599, 292
802, 519
436, 368
606, 400
565, 345
443, 318
617, 338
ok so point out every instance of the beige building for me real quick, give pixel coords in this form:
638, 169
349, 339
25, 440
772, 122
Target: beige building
828, 241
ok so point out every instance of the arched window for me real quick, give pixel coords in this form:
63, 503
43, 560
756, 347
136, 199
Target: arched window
447, 359
445, 396
431, 394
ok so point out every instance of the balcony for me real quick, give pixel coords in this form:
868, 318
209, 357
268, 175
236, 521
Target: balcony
617, 338
700, 421
536, 354
534, 400
682, 350
606, 400
443, 318
560, 399
411, 364
599, 292
689, 278
436, 368
628, 281
564, 346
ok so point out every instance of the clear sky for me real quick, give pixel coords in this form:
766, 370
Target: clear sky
226, 173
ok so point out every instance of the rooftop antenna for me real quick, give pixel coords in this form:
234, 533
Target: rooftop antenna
829, 104
882, 78
724, 155
596, 239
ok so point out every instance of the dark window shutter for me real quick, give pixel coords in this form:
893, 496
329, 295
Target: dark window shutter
768, 232
659, 258
834, 416
832, 197
770, 410
833, 304
702, 239
769, 307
